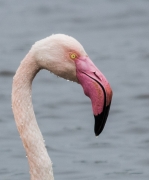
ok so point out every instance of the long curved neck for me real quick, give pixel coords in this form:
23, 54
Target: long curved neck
39, 161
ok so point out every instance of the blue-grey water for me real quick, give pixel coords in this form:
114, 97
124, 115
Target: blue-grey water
115, 34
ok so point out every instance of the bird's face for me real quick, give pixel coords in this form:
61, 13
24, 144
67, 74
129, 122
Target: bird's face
68, 59
95, 86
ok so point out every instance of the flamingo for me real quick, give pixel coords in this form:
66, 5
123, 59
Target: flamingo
65, 57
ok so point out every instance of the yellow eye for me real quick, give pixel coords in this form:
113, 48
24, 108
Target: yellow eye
73, 55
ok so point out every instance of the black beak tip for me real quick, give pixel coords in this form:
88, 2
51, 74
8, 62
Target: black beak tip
99, 124
100, 120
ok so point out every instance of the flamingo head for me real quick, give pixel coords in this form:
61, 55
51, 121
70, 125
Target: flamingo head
66, 57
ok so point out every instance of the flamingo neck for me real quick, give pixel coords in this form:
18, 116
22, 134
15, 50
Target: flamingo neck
39, 161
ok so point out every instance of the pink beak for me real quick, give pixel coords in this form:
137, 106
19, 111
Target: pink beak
97, 88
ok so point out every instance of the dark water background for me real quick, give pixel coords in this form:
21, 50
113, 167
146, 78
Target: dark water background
115, 34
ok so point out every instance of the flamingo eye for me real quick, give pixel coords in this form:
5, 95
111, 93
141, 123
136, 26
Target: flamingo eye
73, 56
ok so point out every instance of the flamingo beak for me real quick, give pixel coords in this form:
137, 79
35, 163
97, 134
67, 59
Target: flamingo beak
97, 88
